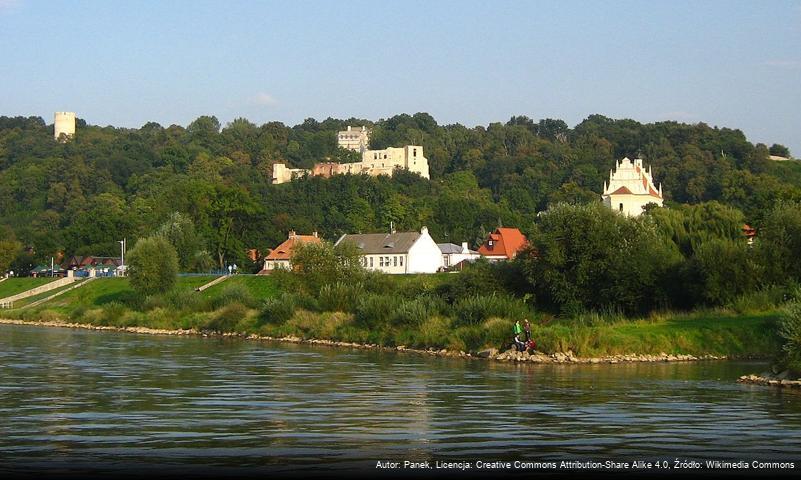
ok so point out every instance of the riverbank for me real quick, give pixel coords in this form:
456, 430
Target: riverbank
260, 307
489, 354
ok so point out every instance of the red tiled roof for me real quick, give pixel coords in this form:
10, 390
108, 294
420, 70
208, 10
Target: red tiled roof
505, 242
621, 191
284, 251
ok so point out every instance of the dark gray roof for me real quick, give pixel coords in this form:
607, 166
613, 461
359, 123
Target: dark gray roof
378, 243
448, 248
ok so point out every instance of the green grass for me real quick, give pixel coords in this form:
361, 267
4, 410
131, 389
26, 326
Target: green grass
260, 286
715, 333
15, 285
29, 300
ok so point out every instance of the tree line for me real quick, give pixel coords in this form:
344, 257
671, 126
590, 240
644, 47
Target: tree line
208, 186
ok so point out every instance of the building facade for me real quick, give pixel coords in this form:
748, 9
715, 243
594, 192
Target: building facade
281, 256
397, 252
64, 123
354, 138
453, 254
630, 188
374, 162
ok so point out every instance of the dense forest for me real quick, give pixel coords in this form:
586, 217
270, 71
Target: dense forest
82, 196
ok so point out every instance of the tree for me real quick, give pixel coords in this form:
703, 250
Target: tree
321, 264
180, 232
588, 257
9, 249
779, 150
726, 269
778, 243
152, 266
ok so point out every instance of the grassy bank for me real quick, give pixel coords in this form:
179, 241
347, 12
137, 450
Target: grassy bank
266, 306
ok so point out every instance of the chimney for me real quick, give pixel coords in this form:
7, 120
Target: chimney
314, 234
291, 234
424, 230
349, 128
464, 247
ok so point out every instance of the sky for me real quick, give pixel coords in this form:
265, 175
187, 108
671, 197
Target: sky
731, 64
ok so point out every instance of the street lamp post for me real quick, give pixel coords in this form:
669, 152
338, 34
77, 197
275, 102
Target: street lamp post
122, 256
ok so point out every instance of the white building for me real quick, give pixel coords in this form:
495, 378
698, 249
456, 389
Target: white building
631, 188
397, 252
374, 162
64, 123
356, 139
453, 254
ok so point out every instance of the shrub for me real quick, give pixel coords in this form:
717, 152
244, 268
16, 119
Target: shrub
790, 331
278, 310
226, 319
340, 296
415, 312
475, 309
113, 313
184, 300
375, 310
233, 293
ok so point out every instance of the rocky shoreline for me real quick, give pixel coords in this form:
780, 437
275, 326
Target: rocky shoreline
780, 380
489, 354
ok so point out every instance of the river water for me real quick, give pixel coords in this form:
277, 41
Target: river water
82, 401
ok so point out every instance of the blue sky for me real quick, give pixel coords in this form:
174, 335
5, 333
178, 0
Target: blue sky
734, 63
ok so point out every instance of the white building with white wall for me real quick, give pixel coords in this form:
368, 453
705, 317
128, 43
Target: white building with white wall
397, 252
63, 123
354, 138
453, 254
631, 188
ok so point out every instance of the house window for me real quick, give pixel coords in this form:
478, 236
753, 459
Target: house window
414, 152
621, 207
371, 262
394, 261
380, 261
401, 261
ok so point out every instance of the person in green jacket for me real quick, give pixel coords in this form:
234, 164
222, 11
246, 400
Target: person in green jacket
519, 344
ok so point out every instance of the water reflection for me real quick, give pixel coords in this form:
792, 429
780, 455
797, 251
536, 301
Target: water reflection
79, 400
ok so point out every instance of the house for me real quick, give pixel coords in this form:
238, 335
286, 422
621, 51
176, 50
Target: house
92, 266
453, 254
503, 244
397, 252
281, 256
356, 139
374, 162
750, 233
630, 188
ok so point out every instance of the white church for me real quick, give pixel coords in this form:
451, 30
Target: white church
631, 188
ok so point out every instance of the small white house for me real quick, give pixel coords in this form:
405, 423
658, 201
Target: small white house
397, 252
453, 254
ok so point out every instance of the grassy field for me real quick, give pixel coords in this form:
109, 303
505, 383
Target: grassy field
15, 285
260, 286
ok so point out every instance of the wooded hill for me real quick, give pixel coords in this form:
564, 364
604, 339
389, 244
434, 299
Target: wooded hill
82, 196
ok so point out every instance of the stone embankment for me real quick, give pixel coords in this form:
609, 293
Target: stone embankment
781, 380
489, 354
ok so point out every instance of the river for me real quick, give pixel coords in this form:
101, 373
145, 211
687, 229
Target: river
79, 401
